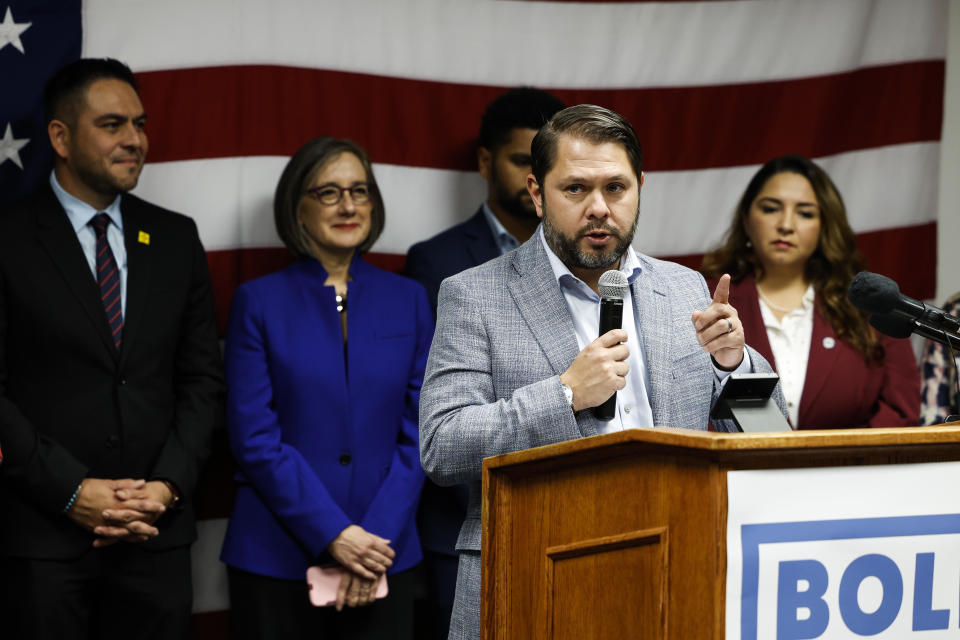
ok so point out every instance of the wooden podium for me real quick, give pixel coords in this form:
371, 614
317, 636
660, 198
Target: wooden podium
624, 535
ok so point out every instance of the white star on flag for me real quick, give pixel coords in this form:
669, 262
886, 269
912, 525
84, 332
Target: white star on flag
10, 147
10, 32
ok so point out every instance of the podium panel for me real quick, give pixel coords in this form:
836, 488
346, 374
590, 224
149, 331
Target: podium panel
613, 587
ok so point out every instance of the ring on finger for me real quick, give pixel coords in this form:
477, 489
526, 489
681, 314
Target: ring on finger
729, 325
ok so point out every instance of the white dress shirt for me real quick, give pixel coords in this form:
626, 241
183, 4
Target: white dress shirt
790, 342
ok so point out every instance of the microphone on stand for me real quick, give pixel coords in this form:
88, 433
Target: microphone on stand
613, 287
898, 316
898, 326
878, 294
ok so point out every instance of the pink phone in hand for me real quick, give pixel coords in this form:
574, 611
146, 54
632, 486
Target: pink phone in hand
323, 583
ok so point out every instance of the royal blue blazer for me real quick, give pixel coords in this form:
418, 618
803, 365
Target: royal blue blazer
324, 437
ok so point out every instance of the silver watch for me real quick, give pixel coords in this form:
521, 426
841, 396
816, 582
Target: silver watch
568, 394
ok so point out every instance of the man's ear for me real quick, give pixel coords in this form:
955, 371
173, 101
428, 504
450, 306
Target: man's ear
484, 162
533, 188
59, 134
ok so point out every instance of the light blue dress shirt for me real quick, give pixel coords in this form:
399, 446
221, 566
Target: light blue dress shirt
504, 239
633, 401
80, 214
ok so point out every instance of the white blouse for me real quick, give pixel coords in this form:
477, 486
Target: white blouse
790, 342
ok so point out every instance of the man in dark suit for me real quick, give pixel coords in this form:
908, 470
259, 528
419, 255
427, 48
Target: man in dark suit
110, 380
503, 222
507, 218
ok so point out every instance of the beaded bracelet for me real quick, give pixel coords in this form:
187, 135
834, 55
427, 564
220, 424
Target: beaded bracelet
73, 498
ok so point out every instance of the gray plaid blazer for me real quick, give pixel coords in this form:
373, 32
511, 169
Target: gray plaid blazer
505, 334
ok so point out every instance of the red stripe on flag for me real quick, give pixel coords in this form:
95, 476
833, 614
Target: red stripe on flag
908, 255
269, 110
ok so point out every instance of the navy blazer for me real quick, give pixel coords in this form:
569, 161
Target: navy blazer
324, 436
457, 249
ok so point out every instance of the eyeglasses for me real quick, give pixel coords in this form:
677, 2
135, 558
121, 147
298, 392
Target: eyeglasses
330, 194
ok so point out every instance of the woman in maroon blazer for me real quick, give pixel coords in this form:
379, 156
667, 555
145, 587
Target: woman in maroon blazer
791, 254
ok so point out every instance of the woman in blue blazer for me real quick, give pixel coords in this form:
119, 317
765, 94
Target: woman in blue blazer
324, 364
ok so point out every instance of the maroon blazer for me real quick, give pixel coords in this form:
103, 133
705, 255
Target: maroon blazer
840, 389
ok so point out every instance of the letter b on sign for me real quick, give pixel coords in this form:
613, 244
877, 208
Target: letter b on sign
791, 600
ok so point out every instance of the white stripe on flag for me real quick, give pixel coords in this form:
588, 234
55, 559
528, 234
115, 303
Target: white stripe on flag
231, 198
586, 45
687, 212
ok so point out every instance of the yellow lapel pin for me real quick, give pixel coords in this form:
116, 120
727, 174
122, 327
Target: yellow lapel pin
143, 237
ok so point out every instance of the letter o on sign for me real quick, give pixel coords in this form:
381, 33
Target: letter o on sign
885, 570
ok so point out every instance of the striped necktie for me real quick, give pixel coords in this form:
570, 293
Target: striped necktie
108, 277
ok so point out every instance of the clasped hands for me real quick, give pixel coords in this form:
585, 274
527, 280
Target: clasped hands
365, 558
120, 510
601, 368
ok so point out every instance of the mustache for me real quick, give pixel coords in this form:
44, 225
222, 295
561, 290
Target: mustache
598, 226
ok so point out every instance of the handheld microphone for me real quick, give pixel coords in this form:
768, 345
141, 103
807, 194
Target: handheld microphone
878, 294
613, 287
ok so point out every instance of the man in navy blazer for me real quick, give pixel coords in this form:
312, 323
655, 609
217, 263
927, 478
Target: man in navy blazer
507, 218
110, 381
504, 221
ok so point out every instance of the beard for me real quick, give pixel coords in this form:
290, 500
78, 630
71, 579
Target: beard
568, 248
91, 172
518, 205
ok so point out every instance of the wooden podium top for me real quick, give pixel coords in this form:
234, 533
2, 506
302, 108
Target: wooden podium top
723, 445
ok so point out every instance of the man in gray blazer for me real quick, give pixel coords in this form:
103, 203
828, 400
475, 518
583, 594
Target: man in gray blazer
514, 364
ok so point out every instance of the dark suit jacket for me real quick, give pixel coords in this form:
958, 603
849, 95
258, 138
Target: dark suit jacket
457, 249
71, 405
840, 389
448, 253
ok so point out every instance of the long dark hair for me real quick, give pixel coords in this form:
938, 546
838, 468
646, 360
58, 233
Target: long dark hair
831, 267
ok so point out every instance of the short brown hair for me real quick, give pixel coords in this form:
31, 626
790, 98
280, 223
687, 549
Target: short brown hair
297, 177
589, 122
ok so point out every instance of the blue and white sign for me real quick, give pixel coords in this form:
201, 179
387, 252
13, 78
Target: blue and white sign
845, 552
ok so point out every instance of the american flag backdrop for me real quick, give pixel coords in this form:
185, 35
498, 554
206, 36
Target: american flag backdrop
714, 89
